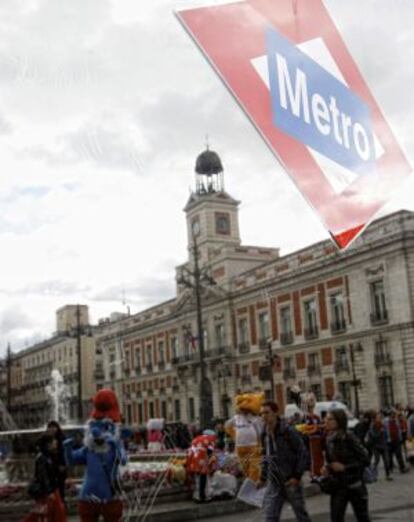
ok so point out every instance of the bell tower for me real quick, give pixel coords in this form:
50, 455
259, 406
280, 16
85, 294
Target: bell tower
212, 214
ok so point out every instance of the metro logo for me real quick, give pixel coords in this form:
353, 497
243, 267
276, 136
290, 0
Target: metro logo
314, 107
289, 69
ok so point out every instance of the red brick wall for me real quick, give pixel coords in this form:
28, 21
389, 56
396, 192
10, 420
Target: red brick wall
300, 361
326, 356
329, 388
253, 331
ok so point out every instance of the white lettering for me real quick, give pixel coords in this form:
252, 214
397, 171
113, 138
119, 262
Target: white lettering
363, 149
300, 97
346, 123
321, 114
335, 113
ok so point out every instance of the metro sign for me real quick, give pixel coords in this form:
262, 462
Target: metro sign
287, 66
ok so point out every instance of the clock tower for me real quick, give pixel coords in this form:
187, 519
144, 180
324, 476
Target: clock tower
212, 214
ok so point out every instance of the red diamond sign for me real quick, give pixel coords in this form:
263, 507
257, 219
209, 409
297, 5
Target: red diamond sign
287, 66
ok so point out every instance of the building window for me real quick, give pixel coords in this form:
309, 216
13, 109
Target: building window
313, 364
317, 390
344, 389
177, 410
222, 223
378, 303
386, 391
219, 335
149, 355
341, 360
286, 335
337, 313
174, 346
243, 331
151, 410
161, 352
140, 414
264, 326
311, 323
163, 409
382, 355
191, 409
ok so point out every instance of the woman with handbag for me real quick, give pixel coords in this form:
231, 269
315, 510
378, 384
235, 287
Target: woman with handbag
346, 459
44, 488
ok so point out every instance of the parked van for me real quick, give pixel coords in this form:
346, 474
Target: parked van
322, 409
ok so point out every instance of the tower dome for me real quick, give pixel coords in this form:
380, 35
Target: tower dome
208, 163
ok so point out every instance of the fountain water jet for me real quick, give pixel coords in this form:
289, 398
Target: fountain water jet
59, 396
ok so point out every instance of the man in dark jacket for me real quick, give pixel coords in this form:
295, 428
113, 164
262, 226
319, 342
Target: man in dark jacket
284, 462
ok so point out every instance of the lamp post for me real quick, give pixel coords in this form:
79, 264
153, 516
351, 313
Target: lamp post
270, 359
197, 277
79, 357
355, 382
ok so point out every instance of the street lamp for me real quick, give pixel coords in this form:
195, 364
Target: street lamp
266, 372
195, 281
355, 383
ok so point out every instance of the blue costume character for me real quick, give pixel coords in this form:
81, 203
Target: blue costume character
102, 453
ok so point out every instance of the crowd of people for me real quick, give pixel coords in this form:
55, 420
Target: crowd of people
273, 452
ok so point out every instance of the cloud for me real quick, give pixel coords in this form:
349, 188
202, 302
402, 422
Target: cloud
13, 319
145, 293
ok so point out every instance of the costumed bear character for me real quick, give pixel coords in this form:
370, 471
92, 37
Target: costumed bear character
201, 464
102, 453
155, 429
246, 429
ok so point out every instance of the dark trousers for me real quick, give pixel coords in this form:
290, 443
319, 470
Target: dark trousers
357, 497
382, 452
394, 448
275, 497
202, 487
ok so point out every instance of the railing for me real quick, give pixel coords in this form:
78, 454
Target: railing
218, 352
338, 326
341, 366
286, 338
314, 369
246, 379
289, 373
311, 333
149, 368
382, 359
138, 370
161, 365
379, 317
263, 343
244, 347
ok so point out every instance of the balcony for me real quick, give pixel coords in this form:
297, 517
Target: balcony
244, 347
338, 327
246, 379
263, 343
218, 352
99, 374
379, 317
311, 333
175, 388
289, 373
161, 366
265, 373
149, 368
382, 359
138, 370
314, 370
175, 360
342, 367
286, 338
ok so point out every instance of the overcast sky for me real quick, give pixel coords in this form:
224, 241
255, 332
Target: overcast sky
104, 106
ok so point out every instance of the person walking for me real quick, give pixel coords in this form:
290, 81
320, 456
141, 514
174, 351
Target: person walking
346, 459
378, 444
53, 428
44, 487
394, 439
283, 464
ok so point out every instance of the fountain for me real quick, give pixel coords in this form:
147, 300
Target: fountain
59, 396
